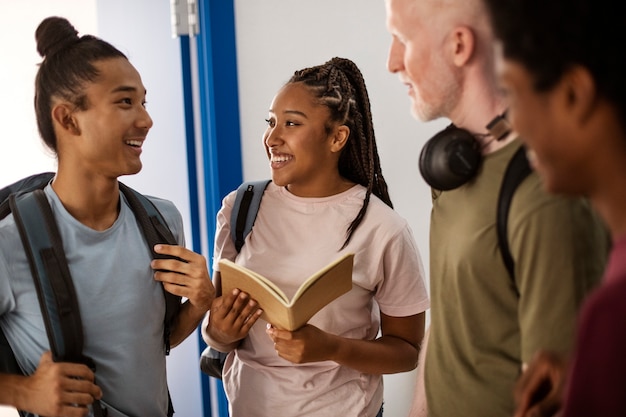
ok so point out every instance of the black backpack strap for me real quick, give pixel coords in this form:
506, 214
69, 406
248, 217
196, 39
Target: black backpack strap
155, 230
245, 209
517, 170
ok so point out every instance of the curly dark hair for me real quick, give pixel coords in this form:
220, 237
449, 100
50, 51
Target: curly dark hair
339, 85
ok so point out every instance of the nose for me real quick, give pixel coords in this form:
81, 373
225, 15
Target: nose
271, 137
144, 120
395, 56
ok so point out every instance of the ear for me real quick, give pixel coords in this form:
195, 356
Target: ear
578, 93
340, 138
64, 119
462, 43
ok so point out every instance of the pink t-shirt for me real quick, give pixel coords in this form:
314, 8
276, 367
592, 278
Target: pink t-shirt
292, 238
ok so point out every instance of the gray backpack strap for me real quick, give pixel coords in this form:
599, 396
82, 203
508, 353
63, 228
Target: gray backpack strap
8, 363
55, 290
155, 230
245, 209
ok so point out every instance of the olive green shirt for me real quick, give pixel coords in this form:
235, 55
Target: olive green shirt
484, 325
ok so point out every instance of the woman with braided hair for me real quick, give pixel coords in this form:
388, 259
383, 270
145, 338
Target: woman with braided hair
327, 197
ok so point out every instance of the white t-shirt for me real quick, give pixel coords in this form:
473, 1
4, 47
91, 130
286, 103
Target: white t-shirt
121, 305
291, 239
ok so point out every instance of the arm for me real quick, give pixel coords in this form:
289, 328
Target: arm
560, 250
397, 350
419, 405
189, 279
55, 389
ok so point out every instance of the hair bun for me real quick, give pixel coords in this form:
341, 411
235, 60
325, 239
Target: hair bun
54, 34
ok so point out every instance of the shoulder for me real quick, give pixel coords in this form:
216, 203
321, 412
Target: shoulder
166, 207
378, 207
531, 199
379, 216
230, 198
557, 218
9, 235
171, 214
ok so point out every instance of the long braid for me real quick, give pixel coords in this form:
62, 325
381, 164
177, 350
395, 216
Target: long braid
339, 85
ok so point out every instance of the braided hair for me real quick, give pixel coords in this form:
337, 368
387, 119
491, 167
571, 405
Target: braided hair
68, 64
339, 85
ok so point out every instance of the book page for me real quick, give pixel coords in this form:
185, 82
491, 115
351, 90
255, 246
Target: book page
333, 271
237, 276
317, 291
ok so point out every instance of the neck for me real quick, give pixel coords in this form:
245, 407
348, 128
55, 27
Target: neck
322, 189
491, 145
93, 201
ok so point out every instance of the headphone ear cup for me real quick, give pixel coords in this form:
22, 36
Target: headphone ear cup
450, 159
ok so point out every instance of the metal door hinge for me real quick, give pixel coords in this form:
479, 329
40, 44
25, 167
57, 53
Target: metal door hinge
184, 17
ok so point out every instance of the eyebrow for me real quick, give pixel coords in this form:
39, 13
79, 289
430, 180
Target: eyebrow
296, 112
126, 88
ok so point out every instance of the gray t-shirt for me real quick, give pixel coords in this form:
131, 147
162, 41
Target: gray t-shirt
121, 305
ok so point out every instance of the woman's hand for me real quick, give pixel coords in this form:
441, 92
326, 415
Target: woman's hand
232, 316
307, 344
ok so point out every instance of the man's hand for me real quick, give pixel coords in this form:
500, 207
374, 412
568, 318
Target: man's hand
59, 389
188, 278
539, 391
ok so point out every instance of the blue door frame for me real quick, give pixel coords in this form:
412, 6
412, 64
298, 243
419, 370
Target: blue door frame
218, 110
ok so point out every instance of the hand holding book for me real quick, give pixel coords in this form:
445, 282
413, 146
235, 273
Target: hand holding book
330, 282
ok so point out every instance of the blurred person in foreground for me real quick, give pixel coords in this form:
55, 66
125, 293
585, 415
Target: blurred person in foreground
560, 64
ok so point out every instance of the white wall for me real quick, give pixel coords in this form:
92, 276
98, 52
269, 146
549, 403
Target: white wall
21, 152
277, 37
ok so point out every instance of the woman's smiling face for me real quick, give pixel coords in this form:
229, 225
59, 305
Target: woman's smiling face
298, 140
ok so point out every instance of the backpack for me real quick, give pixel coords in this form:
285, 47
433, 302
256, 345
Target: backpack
245, 209
55, 290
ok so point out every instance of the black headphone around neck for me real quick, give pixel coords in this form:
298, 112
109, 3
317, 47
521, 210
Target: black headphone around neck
452, 157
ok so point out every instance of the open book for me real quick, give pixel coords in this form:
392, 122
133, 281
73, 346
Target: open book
317, 291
